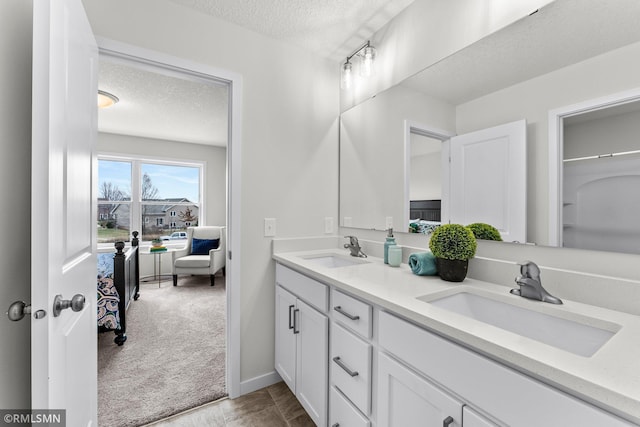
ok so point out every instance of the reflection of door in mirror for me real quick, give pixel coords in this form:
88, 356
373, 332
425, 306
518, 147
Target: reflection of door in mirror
601, 179
479, 176
488, 179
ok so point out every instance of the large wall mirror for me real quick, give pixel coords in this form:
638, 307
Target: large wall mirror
569, 51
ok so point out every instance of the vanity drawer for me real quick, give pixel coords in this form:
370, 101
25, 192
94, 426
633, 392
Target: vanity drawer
343, 413
351, 367
351, 312
307, 289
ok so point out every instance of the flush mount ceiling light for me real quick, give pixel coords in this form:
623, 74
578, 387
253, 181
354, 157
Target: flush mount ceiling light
106, 99
367, 55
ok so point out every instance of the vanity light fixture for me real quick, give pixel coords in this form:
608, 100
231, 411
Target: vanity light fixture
367, 54
106, 99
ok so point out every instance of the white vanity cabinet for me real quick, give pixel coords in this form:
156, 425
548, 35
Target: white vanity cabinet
302, 340
380, 369
511, 398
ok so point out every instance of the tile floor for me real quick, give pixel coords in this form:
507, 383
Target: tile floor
273, 406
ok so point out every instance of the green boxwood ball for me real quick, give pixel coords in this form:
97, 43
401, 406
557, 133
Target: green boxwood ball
453, 241
484, 231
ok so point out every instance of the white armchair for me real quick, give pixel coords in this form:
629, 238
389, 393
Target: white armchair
198, 256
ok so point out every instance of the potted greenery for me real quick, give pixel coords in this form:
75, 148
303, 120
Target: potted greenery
484, 231
453, 245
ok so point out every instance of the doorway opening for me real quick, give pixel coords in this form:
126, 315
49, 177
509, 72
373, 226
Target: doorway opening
594, 159
426, 177
215, 206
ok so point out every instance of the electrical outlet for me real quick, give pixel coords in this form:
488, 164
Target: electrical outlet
269, 227
328, 225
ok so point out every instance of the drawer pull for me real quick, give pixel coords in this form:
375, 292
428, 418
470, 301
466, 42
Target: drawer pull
290, 316
343, 366
344, 313
447, 421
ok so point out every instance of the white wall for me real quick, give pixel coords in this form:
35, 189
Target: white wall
428, 31
215, 170
611, 134
426, 177
289, 138
15, 217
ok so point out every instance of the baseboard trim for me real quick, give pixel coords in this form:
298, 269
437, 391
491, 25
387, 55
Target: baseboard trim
257, 383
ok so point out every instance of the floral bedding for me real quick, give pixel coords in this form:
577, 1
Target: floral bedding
108, 298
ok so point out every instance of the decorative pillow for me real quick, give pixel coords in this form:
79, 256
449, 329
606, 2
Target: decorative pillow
203, 246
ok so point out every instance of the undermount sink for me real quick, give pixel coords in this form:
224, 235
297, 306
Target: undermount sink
335, 260
578, 338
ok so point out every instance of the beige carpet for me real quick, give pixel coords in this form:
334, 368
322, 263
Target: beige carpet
174, 357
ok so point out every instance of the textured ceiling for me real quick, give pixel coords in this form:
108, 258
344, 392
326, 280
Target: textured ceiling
156, 105
331, 28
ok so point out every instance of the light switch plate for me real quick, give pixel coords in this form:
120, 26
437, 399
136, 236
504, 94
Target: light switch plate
269, 227
328, 225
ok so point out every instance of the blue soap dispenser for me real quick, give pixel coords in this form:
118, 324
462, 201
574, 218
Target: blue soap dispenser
391, 241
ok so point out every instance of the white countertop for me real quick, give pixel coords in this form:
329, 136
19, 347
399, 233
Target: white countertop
609, 379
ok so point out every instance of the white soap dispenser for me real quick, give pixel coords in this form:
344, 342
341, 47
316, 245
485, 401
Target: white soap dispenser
391, 241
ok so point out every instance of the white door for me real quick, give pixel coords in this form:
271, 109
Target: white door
312, 376
405, 399
285, 339
63, 230
488, 179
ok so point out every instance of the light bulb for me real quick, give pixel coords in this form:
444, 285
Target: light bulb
368, 55
347, 76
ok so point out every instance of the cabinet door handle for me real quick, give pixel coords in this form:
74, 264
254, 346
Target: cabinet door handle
447, 421
295, 321
343, 366
344, 313
290, 317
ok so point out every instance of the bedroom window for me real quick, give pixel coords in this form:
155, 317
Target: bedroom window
156, 198
114, 201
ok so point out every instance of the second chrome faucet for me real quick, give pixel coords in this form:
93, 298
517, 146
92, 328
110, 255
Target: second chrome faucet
531, 285
354, 247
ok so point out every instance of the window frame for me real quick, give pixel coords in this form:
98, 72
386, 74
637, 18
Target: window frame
135, 203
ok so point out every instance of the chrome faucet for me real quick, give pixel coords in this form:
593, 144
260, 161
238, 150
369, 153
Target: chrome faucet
354, 247
530, 284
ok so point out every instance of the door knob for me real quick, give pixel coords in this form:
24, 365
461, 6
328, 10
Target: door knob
18, 309
76, 304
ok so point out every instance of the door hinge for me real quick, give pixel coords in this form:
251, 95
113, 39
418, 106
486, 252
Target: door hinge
229, 255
